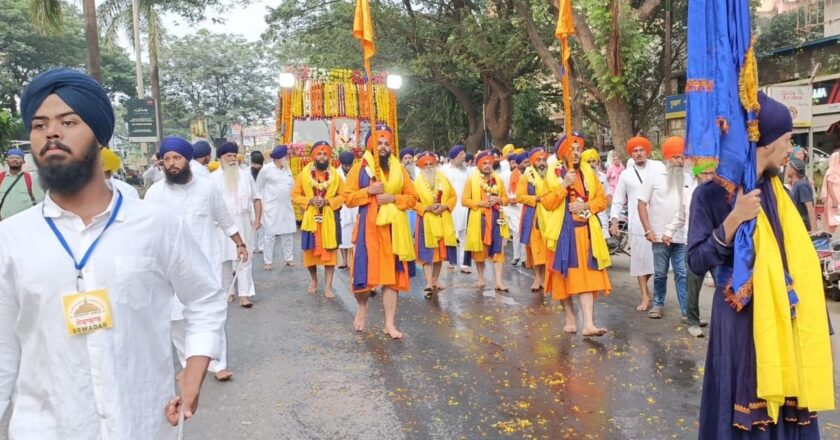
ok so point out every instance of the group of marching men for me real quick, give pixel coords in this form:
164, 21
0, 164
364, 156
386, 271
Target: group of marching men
385, 214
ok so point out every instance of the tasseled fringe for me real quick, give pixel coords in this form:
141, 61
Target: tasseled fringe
735, 299
748, 82
752, 130
723, 124
727, 185
699, 85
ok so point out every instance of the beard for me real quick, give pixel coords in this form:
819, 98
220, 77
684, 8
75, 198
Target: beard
16, 168
179, 178
497, 166
66, 177
231, 175
541, 170
676, 178
772, 172
321, 166
255, 172
429, 175
385, 162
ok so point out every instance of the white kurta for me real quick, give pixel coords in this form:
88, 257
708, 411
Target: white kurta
126, 189
239, 207
275, 187
348, 220
200, 204
198, 169
626, 196
458, 178
112, 383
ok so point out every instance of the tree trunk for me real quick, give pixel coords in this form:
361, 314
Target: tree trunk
92, 37
476, 124
620, 125
154, 79
499, 110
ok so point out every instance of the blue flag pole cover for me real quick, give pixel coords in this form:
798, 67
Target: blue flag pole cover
722, 107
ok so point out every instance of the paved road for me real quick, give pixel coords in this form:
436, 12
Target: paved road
473, 365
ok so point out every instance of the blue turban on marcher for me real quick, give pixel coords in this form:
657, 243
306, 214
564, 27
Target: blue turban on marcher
406, 152
279, 152
774, 120
456, 150
225, 148
201, 149
176, 144
346, 157
522, 158
79, 91
15, 152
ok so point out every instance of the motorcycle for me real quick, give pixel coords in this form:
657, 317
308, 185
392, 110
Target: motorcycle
828, 252
618, 244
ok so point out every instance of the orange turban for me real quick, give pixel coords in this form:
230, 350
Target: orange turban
426, 158
638, 141
563, 146
537, 153
381, 131
673, 146
484, 156
319, 147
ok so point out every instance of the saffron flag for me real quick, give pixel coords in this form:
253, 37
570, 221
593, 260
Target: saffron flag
363, 30
565, 29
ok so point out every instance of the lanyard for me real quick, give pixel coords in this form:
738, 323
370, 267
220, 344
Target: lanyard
81, 264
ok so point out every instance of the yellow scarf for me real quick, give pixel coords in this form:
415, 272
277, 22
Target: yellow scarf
534, 178
308, 223
600, 251
793, 356
402, 245
436, 227
475, 242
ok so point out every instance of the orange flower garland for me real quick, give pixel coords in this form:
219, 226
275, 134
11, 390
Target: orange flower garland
287, 115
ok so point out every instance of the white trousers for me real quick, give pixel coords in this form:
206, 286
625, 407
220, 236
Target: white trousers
462, 241
179, 334
259, 236
287, 243
245, 279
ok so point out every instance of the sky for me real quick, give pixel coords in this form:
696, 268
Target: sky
248, 21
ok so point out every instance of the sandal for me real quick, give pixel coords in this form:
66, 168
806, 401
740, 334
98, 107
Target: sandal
655, 313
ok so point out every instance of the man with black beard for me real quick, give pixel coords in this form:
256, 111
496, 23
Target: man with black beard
84, 347
659, 201
199, 203
16, 188
257, 161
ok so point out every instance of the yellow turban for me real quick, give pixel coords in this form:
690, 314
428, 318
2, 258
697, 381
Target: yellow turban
519, 151
213, 166
110, 161
240, 158
590, 154
507, 150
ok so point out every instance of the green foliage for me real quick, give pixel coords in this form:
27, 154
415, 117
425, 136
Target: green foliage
25, 52
11, 128
788, 29
531, 125
223, 77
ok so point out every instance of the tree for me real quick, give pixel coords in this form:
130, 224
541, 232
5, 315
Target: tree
48, 16
222, 77
11, 128
25, 52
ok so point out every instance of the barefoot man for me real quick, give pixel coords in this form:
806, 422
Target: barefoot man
484, 196
348, 215
317, 191
535, 217
383, 191
579, 261
435, 237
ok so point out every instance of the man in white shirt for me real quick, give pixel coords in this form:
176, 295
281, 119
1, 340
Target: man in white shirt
626, 198
659, 202
199, 203
154, 173
84, 277
513, 210
201, 157
239, 194
111, 163
458, 173
274, 184
347, 215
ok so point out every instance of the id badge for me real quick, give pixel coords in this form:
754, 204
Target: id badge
86, 312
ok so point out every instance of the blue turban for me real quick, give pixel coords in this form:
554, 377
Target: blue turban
225, 148
456, 150
774, 120
176, 144
79, 91
15, 152
201, 149
469, 157
346, 157
522, 158
279, 152
406, 152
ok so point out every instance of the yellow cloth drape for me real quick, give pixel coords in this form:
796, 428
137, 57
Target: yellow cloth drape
436, 227
600, 251
475, 242
401, 242
793, 355
308, 223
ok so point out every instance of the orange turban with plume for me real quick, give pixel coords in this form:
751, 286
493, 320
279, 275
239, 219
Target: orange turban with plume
484, 156
563, 147
382, 130
426, 158
636, 142
319, 147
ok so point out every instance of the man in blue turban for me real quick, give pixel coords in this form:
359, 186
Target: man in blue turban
176, 154
111, 292
17, 191
457, 173
407, 159
348, 215
201, 157
275, 182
